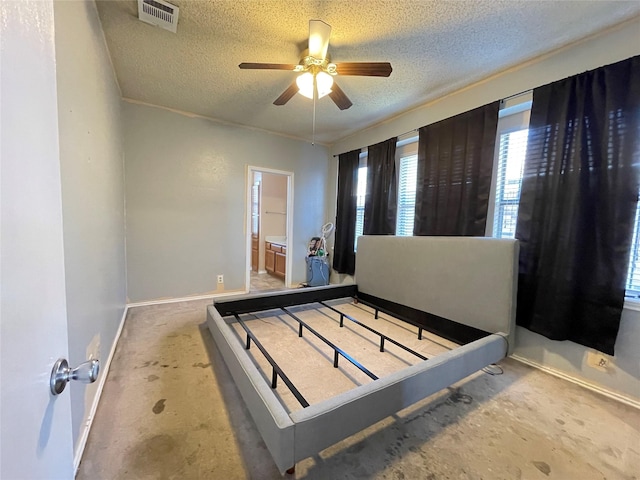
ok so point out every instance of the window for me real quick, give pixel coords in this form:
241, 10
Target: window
633, 275
407, 161
406, 195
511, 153
361, 193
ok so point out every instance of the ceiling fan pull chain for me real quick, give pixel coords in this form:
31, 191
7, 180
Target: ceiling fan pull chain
315, 96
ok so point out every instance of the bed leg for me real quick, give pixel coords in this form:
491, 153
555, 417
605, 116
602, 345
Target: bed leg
292, 470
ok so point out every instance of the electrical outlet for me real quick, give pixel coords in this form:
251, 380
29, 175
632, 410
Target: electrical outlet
598, 360
220, 278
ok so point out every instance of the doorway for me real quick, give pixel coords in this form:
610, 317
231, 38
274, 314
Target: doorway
269, 215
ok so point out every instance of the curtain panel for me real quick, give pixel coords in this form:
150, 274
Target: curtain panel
380, 205
344, 259
577, 205
455, 161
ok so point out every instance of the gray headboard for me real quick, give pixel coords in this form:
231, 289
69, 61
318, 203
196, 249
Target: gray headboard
471, 280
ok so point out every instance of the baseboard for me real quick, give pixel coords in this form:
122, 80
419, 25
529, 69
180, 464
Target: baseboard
185, 299
104, 370
595, 388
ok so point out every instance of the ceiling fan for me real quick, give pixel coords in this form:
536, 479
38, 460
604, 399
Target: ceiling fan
317, 71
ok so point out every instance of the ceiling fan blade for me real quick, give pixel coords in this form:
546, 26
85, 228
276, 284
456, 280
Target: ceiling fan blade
339, 97
319, 33
267, 66
365, 69
287, 94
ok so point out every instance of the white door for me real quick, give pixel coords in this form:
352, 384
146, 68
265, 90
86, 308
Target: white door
36, 440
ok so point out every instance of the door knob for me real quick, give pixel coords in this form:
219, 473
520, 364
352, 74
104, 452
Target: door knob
86, 372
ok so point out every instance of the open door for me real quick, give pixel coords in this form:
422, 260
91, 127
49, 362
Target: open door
269, 249
36, 439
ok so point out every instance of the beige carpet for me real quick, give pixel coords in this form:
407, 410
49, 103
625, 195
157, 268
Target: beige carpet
170, 410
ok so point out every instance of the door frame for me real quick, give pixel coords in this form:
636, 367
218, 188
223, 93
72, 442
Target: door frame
251, 169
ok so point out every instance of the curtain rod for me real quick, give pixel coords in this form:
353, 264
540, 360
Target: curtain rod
415, 130
502, 100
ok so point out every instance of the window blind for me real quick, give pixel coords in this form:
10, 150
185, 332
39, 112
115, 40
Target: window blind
406, 195
361, 193
512, 150
633, 276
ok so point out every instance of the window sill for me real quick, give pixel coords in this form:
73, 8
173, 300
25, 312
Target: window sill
632, 304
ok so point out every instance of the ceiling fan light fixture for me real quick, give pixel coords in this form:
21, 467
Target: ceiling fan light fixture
323, 82
305, 84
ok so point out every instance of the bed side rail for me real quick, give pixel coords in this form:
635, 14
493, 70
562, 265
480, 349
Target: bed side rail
325, 423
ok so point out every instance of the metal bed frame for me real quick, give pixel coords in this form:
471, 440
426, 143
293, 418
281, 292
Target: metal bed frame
421, 320
470, 280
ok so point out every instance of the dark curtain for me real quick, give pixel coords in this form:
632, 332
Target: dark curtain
577, 206
455, 161
381, 198
344, 259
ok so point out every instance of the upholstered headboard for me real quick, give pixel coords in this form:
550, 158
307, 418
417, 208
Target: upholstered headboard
470, 280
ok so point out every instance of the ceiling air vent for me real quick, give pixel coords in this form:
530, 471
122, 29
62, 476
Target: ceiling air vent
159, 13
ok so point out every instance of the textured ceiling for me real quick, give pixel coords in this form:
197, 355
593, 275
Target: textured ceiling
435, 47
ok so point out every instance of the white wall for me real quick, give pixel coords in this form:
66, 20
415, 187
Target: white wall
91, 161
621, 378
617, 44
273, 204
186, 200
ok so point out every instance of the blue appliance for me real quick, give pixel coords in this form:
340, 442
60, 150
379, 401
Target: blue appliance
317, 271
